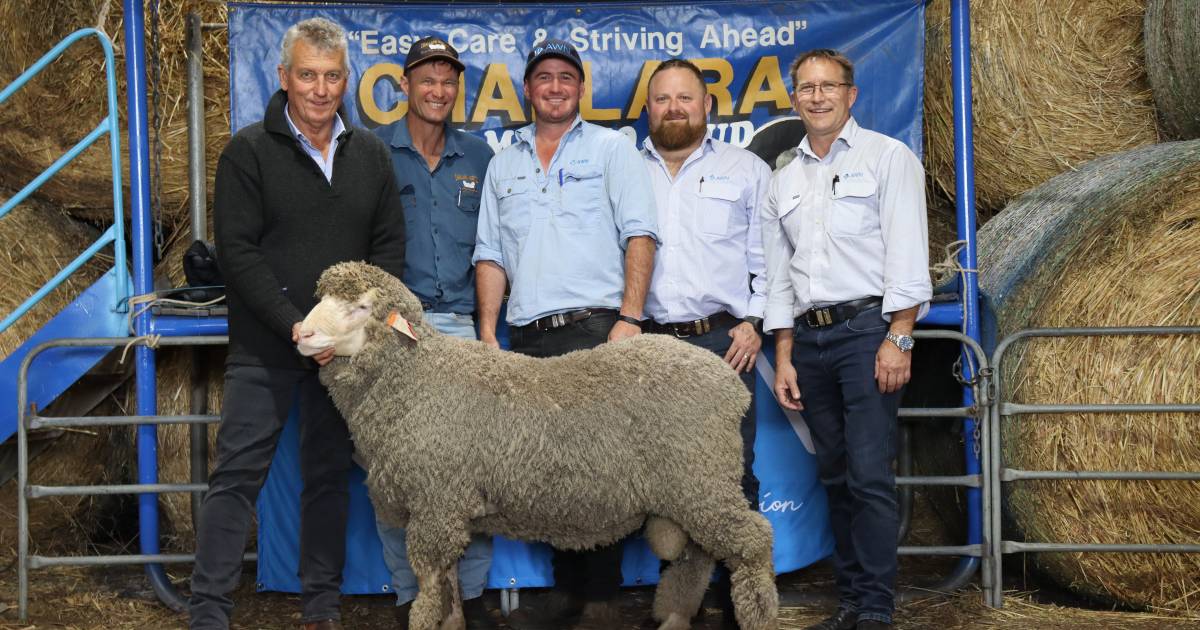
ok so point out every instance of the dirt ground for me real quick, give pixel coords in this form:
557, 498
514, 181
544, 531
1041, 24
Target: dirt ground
73, 598
120, 597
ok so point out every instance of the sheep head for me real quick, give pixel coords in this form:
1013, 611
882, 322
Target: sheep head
353, 296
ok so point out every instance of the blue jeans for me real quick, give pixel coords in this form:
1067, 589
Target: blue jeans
474, 565
854, 432
257, 403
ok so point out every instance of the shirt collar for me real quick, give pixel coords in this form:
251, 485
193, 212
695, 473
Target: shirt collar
705, 148
402, 139
848, 134
525, 134
338, 127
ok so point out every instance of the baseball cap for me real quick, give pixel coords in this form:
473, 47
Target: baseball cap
430, 48
553, 48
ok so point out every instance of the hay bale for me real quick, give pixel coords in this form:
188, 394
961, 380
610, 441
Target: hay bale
67, 100
174, 369
1056, 83
1172, 32
39, 241
1114, 243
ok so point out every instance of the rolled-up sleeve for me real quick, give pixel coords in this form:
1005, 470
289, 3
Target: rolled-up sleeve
760, 179
903, 224
777, 250
628, 187
487, 234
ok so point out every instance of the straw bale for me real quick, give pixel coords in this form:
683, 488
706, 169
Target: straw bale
1056, 83
1172, 31
63, 104
174, 369
39, 241
1115, 243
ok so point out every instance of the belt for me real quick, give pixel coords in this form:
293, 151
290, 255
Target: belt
694, 328
836, 313
558, 320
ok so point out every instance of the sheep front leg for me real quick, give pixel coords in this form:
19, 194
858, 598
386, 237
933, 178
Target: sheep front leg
434, 548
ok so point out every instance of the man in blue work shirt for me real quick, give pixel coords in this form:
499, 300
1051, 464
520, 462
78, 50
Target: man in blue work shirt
439, 172
568, 221
709, 283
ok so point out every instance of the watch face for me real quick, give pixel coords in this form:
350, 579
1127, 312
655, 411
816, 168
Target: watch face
904, 342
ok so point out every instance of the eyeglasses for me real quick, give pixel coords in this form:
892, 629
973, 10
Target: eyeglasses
828, 87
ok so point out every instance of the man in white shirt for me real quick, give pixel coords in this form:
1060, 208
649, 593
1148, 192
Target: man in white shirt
844, 232
709, 285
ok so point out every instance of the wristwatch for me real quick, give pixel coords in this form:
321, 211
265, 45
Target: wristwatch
904, 342
756, 322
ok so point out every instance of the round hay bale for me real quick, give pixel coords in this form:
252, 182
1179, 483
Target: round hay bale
1055, 83
1172, 32
65, 102
1114, 243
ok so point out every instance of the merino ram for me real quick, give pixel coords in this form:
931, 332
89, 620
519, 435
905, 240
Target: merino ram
576, 451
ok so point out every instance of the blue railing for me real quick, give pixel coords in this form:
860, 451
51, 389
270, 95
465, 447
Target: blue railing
115, 234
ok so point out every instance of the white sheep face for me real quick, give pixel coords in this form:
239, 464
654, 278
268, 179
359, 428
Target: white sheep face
336, 323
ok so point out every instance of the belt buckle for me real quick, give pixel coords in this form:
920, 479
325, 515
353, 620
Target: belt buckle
819, 317
558, 320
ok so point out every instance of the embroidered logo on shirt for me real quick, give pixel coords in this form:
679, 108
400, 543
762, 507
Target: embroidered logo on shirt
468, 182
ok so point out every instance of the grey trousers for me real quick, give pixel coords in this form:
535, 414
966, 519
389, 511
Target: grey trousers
256, 405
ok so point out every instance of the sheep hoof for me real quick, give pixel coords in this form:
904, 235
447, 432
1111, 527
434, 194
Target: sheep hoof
675, 621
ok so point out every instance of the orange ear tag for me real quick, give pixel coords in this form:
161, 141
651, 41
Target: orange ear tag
397, 321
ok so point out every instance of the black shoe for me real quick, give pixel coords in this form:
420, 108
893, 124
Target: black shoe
555, 611
872, 624
479, 616
841, 620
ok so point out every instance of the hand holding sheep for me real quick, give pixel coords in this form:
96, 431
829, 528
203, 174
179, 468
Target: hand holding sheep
321, 356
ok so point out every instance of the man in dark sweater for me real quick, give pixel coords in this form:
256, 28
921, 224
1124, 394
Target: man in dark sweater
296, 193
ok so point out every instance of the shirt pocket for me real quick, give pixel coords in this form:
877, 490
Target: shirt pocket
583, 198
468, 200
854, 211
514, 203
791, 216
717, 203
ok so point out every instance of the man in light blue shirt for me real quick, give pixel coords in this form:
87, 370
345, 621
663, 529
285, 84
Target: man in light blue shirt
567, 220
709, 282
845, 238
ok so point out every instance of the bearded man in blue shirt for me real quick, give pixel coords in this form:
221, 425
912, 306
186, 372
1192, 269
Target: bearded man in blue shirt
568, 222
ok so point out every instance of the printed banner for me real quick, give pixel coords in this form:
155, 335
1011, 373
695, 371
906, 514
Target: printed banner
744, 48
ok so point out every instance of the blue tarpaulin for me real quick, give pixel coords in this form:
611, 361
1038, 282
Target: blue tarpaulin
744, 48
